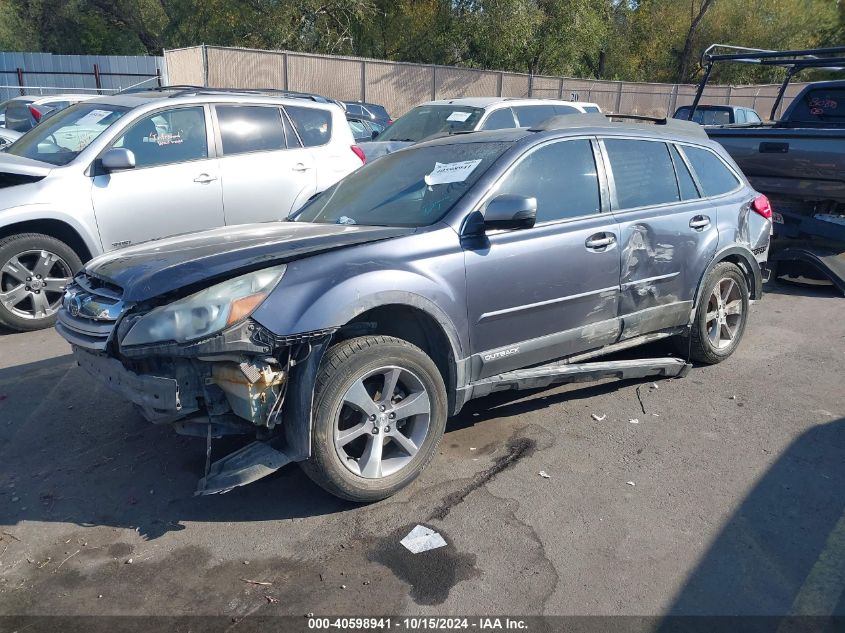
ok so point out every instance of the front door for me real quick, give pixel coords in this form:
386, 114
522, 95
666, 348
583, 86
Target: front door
668, 233
552, 290
173, 188
265, 171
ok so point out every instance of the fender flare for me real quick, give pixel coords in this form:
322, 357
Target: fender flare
752, 270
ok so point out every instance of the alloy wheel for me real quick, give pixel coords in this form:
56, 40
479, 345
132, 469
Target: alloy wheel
382, 423
724, 313
32, 284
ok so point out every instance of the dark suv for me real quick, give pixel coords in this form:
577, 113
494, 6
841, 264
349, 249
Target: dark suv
344, 338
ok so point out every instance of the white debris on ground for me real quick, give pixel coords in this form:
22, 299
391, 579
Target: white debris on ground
544, 474
422, 539
597, 417
630, 483
634, 421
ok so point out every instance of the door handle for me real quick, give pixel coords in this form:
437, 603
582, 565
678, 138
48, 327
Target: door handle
301, 167
699, 222
205, 179
600, 241
774, 148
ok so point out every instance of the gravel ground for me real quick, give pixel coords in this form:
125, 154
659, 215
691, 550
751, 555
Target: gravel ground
726, 497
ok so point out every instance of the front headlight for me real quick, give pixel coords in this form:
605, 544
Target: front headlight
205, 312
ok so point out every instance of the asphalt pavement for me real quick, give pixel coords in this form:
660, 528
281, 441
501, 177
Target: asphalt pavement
726, 497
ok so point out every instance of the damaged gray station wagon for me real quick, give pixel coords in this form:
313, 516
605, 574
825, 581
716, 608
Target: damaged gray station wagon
344, 338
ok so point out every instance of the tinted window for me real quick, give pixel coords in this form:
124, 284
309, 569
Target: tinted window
591, 109
18, 117
353, 109
562, 176
824, 104
714, 176
314, 125
378, 110
171, 136
250, 129
685, 182
564, 109
408, 188
529, 116
642, 172
499, 120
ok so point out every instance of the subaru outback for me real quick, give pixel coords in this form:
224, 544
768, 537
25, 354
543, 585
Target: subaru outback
344, 338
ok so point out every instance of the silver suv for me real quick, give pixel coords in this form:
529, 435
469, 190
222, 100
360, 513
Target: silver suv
123, 169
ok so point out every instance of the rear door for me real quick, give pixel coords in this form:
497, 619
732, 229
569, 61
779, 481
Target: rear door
668, 233
265, 171
174, 187
552, 290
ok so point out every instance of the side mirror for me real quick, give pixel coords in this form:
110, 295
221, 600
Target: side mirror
509, 211
118, 159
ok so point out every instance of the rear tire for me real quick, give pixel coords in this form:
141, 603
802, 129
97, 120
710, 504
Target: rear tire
721, 316
380, 411
34, 268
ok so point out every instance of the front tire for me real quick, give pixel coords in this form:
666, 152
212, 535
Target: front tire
34, 270
721, 316
380, 411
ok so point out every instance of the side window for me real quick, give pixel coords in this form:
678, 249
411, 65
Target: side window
713, 174
313, 124
752, 116
245, 129
499, 120
642, 173
562, 176
686, 184
171, 136
565, 109
740, 116
529, 116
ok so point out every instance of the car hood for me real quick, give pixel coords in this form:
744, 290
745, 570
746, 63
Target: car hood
161, 266
20, 166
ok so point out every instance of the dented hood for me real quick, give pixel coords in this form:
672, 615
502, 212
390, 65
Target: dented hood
160, 266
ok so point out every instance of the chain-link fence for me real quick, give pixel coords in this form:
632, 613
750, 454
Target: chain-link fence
399, 86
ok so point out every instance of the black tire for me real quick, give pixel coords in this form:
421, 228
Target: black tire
17, 245
700, 342
343, 366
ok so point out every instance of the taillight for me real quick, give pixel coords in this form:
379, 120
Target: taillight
360, 154
761, 205
36, 113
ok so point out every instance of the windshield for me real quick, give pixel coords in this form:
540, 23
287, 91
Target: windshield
414, 187
706, 116
61, 138
428, 120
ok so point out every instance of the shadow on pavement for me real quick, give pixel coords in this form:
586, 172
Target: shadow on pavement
782, 552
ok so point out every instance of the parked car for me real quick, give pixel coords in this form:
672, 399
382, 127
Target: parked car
24, 113
453, 116
7, 137
363, 130
798, 161
718, 115
118, 170
344, 338
368, 111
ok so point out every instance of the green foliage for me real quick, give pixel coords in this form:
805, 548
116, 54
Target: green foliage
641, 40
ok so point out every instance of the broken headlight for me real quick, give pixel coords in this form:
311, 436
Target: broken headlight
206, 312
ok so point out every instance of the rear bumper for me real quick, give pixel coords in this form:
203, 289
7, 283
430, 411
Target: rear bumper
824, 258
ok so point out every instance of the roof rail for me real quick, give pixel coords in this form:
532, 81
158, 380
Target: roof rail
158, 89
182, 90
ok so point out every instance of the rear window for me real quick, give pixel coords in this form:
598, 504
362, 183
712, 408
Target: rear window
591, 109
713, 174
529, 116
642, 172
314, 125
432, 120
819, 106
245, 129
705, 115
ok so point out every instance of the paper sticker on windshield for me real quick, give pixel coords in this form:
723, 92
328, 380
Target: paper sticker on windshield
460, 117
93, 117
444, 173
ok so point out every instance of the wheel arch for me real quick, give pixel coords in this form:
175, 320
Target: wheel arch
744, 259
58, 229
